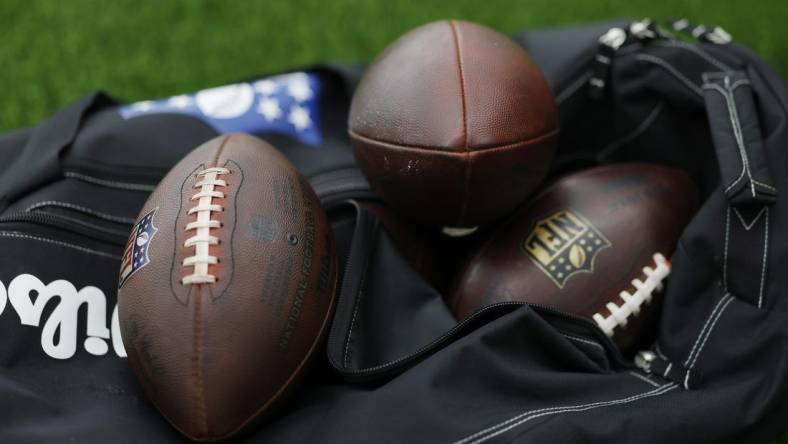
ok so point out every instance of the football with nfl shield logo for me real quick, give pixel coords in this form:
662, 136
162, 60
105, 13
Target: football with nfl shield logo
226, 287
594, 244
564, 237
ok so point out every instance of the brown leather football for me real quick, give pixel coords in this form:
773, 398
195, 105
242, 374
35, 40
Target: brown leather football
453, 124
226, 286
594, 243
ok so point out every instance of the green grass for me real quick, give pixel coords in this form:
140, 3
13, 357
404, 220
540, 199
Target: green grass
52, 52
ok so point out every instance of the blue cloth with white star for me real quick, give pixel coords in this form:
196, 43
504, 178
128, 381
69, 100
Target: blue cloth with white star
285, 104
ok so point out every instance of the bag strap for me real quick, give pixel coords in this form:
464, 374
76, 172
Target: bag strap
747, 183
733, 120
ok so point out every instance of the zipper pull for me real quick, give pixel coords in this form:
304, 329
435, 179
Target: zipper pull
652, 363
643, 360
608, 45
646, 30
715, 35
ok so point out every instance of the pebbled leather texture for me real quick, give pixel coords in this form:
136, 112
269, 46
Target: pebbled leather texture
628, 213
454, 124
214, 358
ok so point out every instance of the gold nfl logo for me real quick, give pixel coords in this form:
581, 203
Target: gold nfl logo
563, 244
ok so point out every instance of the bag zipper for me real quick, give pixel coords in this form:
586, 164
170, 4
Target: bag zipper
496, 310
654, 363
112, 237
332, 188
337, 186
360, 251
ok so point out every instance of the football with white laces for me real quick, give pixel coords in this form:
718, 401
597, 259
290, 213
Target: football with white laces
594, 244
226, 287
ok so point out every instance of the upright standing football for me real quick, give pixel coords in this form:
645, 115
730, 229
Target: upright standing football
226, 286
454, 125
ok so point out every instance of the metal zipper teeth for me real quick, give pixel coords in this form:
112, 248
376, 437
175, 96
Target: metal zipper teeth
57, 223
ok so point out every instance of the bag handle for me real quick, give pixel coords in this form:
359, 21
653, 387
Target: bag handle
43, 150
733, 120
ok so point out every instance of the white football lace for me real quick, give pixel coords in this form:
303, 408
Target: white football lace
202, 239
633, 302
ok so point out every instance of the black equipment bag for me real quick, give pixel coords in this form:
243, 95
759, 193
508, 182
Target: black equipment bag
398, 367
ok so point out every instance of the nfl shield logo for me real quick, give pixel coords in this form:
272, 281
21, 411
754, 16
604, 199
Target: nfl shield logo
135, 257
564, 244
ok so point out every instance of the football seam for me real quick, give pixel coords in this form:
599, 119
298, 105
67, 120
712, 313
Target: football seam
456, 39
198, 373
198, 327
440, 150
633, 302
463, 100
468, 155
298, 372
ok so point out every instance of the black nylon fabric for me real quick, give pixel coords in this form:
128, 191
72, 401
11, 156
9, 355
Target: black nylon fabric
397, 367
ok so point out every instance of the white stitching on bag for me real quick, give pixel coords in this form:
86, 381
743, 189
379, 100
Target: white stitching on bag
88, 225
643, 378
582, 340
764, 260
708, 334
765, 257
725, 248
672, 70
110, 183
511, 423
573, 87
71, 206
736, 124
747, 226
640, 129
346, 357
702, 333
711, 327
769, 187
16, 235
737, 84
706, 330
703, 54
667, 370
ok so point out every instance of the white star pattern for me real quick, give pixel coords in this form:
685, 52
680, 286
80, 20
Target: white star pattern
285, 103
299, 90
265, 87
142, 106
269, 108
299, 117
182, 101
